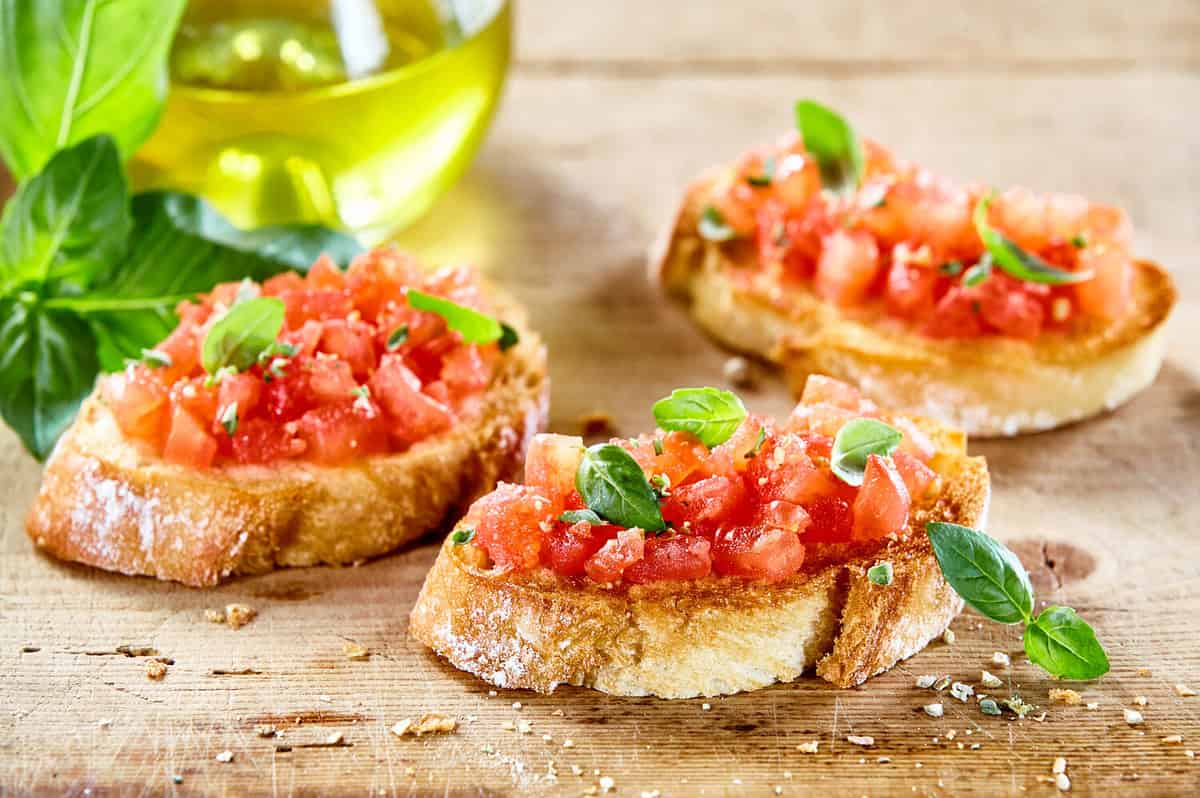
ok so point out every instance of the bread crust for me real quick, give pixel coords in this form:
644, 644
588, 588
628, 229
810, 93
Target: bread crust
991, 386
107, 503
715, 636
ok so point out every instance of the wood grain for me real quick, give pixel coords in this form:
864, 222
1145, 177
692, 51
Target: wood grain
583, 166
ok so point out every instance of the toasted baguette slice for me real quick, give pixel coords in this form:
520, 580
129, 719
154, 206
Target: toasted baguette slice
105, 502
986, 386
714, 636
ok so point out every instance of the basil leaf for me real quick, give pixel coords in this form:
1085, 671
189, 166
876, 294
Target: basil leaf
881, 573
69, 221
855, 441
983, 571
577, 516
47, 366
710, 414
1065, 646
978, 273
766, 176
462, 536
1016, 261
475, 327
951, 268
75, 68
830, 139
397, 337
712, 226
508, 337
614, 487
242, 334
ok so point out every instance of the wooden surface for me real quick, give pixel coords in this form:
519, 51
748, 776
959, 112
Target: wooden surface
610, 109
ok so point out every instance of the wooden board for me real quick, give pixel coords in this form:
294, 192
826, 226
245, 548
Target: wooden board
613, 109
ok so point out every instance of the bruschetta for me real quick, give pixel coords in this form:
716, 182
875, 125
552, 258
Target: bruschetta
325, 418
721, 553
999, 313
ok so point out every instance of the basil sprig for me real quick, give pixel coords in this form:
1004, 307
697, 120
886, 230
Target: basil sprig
475, 327
1015, 260
831, 140
713, 227
855, 441
247, 330
614, 487
712, 415
991, 579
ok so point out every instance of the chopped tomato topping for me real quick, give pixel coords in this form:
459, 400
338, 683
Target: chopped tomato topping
906, 240
356, 371
751, 507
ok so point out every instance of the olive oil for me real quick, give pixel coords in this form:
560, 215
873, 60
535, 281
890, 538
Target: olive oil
352, 113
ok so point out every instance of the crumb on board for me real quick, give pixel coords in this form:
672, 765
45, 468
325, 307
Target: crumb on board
1183, 691
1066, 696
1140, 701
990, 679
1133, 717
155, 669
234, 615
429, 723
809, 747
1062, 781
334, 738
355, 651
607, 783
596, 424
706, 706
214, 616
265, 730
1001, 659
948, 636
1060, 765
925, 681
225, 756
1173, 738
739, 372
1144, 672
934, 710
104, 723
864, 740
1092, 705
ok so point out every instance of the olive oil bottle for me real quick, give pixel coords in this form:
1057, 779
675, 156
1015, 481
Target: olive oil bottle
352, 113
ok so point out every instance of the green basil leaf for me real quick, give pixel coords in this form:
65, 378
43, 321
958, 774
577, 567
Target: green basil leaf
578, 516
614, 486
710, 414
881, 573
247, 330
978, 273
831, 140
462, 536
475, 327
951, 268
983, 571
766, 176
508, 337
855, 441
1014, 260
75, 68
712, 226
397, 337
68, 222
1063, 644
47, 366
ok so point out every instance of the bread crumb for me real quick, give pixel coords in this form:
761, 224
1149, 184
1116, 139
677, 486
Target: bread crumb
934, 710
883, 760
1144, 672
516, 705
1190, 754
739, 372
926, 681
1140, 701
1183, 691
225, 756
155, 669
238, 615
355, 651
948, 637
706, 706
1062, 782
568, 743
809, 747
1133, 717
1001, 659
1173, 738
334, 738
950, 734
429, 723
1060, 765
596, 424
607, 783
1066, 696
546, 738
558, 713
990, 679
961, 691
264, 730
524, 726
104, 723
860, 739
214, 616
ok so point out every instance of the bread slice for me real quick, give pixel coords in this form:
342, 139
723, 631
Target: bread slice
714, 636
986, 386
105, 502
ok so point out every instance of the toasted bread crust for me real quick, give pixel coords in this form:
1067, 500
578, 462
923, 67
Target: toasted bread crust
714, 636
105, 503
987, 386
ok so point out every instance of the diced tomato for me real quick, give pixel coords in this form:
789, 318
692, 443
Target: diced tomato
1109, 293
734, 455
351, 341
915, 441
682, 454
784, 471
139, 403
819, 419
881, 507
848, 265
188, 443
377, 278
551, 465
240, 390
609, 563
819, 389
767, 554
306, 338
309, 305
339, 433
413, 415
956, 316
786, 515
196, 398
262, 441
832, 519
507, 523
677, 558
282, 283
705, 502
916, 475
568, 548
324, 275
1004, 305
910, 290
329, 379
182, 347
466, 369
